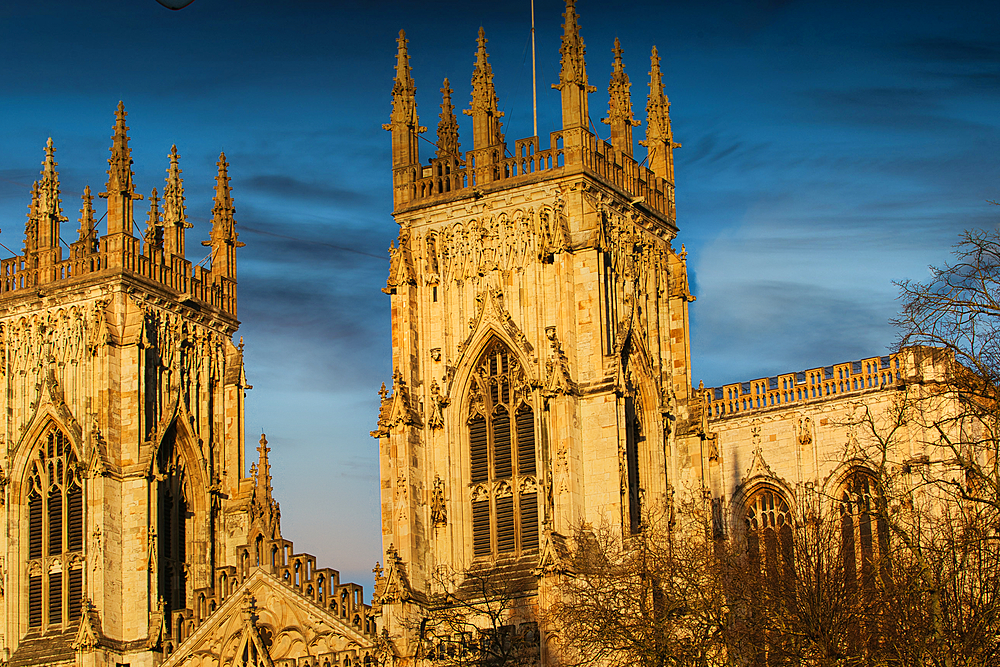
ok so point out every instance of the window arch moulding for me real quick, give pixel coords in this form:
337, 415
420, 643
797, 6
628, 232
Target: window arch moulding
491, 319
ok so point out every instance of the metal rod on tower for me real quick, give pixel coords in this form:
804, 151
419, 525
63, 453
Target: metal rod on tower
534, 82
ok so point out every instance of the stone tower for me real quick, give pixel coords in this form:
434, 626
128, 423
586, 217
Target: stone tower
122, 407
539, 337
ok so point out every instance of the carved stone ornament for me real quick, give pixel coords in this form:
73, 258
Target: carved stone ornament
397, 409
439, 513
490, 311
805, 431
438, 402
557, 380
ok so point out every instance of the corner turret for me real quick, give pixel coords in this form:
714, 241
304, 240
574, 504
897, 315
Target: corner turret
405, 127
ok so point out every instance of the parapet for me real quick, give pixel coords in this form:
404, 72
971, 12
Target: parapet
809, 386
157, 257
490, 164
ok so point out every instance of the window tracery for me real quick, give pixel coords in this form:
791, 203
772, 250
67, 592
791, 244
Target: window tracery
501, 428
863, 533
55, 533
769, 523
172, 497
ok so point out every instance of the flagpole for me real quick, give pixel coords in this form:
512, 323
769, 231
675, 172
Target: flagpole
534, 80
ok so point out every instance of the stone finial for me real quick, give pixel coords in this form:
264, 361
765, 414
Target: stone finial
573, 73
120, 191
485, 116
88, 225
447, 132
620, 105
174, 217
659, 137
223, 238
153, 237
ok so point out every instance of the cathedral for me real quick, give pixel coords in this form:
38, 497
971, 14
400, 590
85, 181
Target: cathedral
541, 361
135, 535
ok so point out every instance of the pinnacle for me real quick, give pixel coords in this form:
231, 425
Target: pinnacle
87, 224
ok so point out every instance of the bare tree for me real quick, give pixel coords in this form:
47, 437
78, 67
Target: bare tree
482, 617
651, 599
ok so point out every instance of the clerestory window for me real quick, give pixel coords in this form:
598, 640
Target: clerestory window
55, 534
501, 427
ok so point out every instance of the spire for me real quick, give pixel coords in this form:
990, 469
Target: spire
223, 239
485, 117
659, 137
263, 507
447, 143
153, 237
31, 226
620, 105
88, 226
573, 75
119, 190
174, 218
404, 125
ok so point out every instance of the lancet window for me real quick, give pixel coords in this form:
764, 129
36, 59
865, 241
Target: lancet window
173, 512
501, 428
863, 533
55, 533
769, 532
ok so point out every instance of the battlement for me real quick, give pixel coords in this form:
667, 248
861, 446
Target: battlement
808, 386
452, 174
158, 256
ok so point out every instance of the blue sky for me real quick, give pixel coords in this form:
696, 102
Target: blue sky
829, 148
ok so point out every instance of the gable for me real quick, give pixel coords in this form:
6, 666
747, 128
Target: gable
265, 623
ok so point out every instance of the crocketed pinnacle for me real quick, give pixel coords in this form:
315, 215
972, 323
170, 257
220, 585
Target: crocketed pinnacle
88, 226
31, 226
223, 210
659, 137
485, 116
573, 72
120, 162
620, 105
153, 237
49, 203
447, 133
119, 190
263, 507
223, 238
403, 121
174, 217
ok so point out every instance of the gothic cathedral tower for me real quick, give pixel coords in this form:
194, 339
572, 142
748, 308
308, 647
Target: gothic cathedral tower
539, 337
122, 442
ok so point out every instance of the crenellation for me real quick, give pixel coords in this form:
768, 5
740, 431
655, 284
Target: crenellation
808, 386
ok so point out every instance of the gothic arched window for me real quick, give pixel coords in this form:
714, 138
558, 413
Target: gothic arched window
769, 532
863, 533
172, 501
55, 533
501, 427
